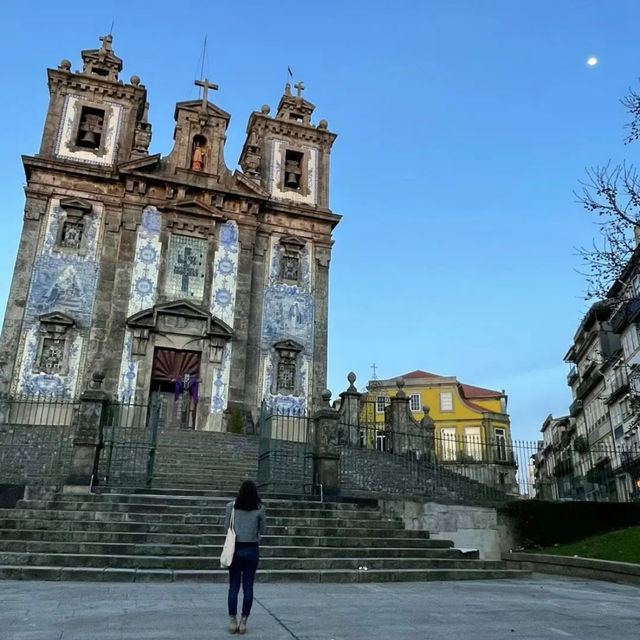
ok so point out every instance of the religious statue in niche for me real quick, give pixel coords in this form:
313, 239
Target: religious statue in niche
71, 237
199, 154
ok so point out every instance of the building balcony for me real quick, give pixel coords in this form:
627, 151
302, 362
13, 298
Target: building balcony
572, 376
620, 387
575, 408
563, 468
628, 312
588, 384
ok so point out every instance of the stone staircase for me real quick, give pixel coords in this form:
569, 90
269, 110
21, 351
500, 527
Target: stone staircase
196, 459
176, 535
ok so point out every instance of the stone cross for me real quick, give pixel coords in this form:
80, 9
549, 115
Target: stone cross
186, 267
106, 42
206, 85
299, 87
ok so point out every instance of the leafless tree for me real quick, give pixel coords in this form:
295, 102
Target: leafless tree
612, 194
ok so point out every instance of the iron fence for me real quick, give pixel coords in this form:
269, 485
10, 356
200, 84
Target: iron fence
128, 444
36, 439
285, 453
374, 457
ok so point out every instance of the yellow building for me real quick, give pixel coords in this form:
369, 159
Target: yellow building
471, 423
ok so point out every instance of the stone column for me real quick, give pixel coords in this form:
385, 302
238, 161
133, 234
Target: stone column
87, 438
326, 452
404, 431
350, 407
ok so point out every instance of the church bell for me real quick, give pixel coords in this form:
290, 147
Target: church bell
88, 139
292, 180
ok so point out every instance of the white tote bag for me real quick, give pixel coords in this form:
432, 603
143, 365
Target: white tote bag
229, 547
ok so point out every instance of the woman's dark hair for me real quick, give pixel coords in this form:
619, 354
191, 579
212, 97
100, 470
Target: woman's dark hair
248, 498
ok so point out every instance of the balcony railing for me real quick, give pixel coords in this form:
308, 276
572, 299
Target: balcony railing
627, 313
588, 384
572, 376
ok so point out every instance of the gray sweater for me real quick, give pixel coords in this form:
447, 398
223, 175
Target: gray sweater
248, 525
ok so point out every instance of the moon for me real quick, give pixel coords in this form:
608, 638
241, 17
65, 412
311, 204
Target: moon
592, 61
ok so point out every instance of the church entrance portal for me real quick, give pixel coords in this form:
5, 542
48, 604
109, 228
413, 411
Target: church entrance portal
175, 382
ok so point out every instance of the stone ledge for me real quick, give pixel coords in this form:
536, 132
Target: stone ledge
621, 572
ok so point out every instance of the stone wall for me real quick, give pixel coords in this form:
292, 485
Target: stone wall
35, 454
470, 527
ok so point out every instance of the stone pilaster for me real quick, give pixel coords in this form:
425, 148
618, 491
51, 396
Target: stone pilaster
88, 438
326, 452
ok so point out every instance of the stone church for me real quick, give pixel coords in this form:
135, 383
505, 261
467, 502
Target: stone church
171, 275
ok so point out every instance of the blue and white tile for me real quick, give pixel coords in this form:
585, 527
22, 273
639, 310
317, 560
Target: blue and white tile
32, 382
65, 143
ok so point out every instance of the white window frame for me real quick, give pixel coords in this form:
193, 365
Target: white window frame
449, 396
472, 445
448, 443
381, 407
501, 444
414, 404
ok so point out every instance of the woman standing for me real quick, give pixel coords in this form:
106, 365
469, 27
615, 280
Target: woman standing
248, 523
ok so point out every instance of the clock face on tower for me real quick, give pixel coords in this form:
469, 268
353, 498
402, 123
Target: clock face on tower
88, 131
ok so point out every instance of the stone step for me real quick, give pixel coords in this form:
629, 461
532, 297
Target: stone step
124, 535
215, 523
188, 524
213, 562
97, 574
22, 546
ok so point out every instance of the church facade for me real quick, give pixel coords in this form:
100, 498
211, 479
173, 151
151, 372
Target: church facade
171, 275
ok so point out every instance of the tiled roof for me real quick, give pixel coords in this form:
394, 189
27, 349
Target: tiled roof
420, 374
469, 391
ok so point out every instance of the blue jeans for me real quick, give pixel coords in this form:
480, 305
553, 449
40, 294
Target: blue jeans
242, 569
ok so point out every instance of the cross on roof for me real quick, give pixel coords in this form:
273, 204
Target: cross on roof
299, 87
206, 85
106, 42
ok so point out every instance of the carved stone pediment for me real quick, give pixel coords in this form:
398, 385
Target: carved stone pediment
76, 205
288, 345
248, 186
57, 318
195, 208
196, 107
140, 164
181, 317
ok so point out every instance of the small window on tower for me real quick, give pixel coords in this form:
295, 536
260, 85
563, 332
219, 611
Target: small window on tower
293, 169
90, 129
52, 355
71, 236
290, 267
286, 376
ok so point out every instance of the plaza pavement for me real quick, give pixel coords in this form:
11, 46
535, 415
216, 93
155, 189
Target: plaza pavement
540, 608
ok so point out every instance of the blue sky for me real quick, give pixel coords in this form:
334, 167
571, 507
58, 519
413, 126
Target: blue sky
464, 127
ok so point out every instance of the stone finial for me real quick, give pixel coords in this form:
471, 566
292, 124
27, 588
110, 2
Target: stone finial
134, 80
287, 89
400, 384
323, 124
265, 109
97, 378
351, 378
326, 397
425, 409
65, 65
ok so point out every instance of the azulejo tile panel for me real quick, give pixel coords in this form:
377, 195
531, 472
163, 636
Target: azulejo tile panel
222, 306
310, 195
186, 266
91, 231
32, 382
65, 143
143, 293
63, 283
288, 313
146, 266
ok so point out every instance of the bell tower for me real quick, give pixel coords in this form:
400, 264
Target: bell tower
94, 118
287, 154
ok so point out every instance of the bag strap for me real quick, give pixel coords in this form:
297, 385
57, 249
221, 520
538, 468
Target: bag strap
233, 512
